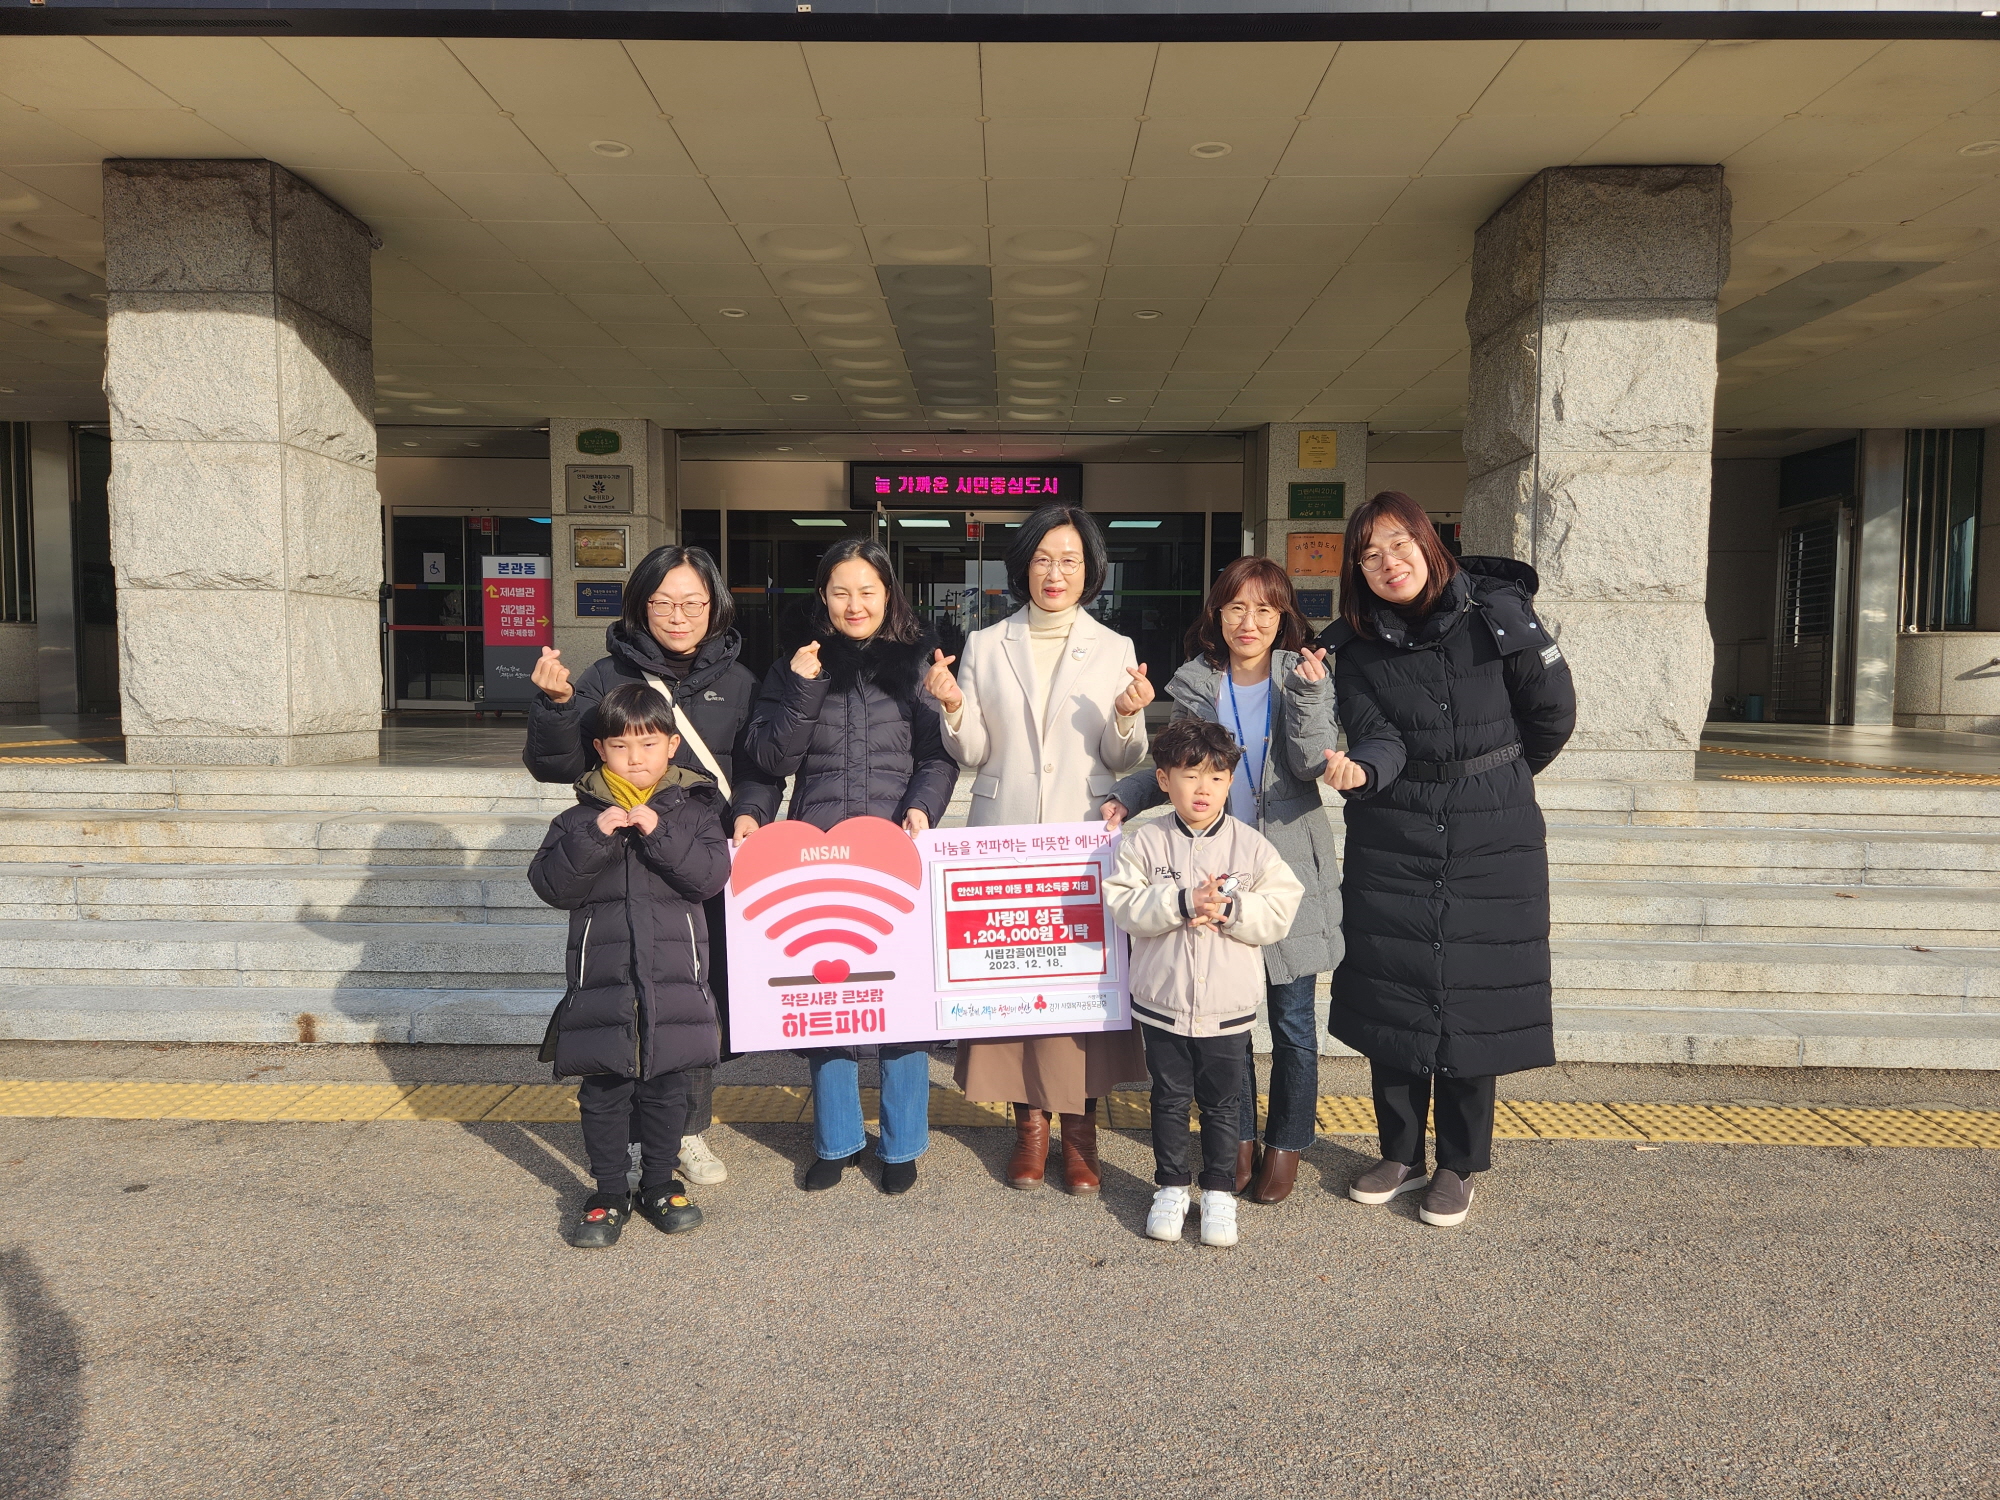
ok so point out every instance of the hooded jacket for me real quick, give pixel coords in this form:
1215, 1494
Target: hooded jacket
715, 696
1446, 892
1199, 981
862, 738
1295, 820
638, 1001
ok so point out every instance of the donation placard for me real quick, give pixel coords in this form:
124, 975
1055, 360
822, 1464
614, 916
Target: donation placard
864, 934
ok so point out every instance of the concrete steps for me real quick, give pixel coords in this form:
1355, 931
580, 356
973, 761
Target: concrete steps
1691, 912
1623, 852
139, 892
294, 1013
303, 837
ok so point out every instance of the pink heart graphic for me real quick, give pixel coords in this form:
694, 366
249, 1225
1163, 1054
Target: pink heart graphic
830, 970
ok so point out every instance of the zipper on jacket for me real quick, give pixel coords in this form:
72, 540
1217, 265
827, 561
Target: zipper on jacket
583, 950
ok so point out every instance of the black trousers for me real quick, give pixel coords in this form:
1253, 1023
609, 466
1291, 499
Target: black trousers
1204, 1070
1464, 1110
620, 1110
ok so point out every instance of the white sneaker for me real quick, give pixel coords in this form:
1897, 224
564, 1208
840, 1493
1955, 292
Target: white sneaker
699, 1165
634, 1155
1218, 1217
1169, 1213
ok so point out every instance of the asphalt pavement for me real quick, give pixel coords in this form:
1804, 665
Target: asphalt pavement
388, 1309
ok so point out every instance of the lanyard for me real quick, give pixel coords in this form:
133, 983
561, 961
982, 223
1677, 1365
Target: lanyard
1263, 756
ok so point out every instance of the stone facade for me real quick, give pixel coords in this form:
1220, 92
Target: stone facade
1949, 679
650, 454
1272, 466
245, 525
1587, 439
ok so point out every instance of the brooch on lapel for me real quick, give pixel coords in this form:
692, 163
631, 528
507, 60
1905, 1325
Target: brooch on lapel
1079, 653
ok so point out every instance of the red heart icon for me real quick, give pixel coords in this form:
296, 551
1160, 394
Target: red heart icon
830, 970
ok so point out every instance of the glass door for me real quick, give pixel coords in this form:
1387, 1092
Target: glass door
436, 610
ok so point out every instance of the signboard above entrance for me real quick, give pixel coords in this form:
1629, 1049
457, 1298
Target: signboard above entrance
963, 486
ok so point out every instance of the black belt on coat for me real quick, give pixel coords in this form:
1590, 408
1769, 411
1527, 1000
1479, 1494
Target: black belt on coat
1458, 770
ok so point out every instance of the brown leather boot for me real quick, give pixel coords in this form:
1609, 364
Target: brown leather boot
1246, 1164
1031, 1147
1277, 1171
1079, 1149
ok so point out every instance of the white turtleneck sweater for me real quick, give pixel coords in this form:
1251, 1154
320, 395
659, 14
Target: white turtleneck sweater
1048, 633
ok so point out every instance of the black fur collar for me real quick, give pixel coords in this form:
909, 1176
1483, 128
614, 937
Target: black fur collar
895, 668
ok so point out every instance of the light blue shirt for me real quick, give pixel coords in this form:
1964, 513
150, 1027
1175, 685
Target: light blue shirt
1247, 717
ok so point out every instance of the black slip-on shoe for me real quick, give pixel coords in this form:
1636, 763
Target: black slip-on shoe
602, 1221
667, 1208
898, 1176
826, 1172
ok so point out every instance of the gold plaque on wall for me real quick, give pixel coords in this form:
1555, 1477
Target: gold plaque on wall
598, 546
1313, 554
1319, 450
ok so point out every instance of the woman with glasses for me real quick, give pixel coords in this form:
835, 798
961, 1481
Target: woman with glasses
1454, 696
675, 632
1247, 671
843, 711
1047, 712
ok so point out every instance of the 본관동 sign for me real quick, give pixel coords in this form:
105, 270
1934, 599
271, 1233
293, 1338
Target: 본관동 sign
863, 934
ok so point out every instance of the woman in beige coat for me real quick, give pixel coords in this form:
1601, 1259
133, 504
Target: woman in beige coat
1047, 712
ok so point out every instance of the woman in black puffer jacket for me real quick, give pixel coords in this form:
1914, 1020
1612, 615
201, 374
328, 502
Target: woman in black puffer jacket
846, 715
674, 633
1453, 696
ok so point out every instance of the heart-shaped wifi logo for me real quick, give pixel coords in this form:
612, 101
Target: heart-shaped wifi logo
811, 890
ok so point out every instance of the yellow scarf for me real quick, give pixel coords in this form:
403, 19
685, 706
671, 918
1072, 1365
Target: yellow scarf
622, 791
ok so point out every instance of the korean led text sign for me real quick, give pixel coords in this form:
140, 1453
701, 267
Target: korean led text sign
963, 486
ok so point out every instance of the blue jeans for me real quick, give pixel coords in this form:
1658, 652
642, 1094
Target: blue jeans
906, 1103
1290, 1122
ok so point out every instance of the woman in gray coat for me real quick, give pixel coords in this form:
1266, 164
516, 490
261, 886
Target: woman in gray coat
1247, 671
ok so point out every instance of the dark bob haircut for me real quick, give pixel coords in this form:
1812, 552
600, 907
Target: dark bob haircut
655, 566
1096, 563
1272, 584
899, 621
1187, 743
634, 708
1357, 599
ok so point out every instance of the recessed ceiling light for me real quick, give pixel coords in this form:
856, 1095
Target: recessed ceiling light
1210, 150
1156, 450
611, 148
1134, 525
1115, 400
475, 445
409, 445
814, 521
906, 450
801, 398
6, 390
920, 522
968, 450
1147, 312
1980, 148
784, 447
732, 312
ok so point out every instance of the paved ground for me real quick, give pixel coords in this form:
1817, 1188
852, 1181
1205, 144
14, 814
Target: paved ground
217, 1310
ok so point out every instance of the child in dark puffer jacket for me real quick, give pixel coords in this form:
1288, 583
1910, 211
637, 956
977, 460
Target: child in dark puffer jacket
632, 863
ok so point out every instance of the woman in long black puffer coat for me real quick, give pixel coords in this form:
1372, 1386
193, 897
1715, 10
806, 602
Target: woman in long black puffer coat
846, 715
1453, 696
675, 633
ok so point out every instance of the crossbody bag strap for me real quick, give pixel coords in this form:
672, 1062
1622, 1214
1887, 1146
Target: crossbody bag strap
694, 740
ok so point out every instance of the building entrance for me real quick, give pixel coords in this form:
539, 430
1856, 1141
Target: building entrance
433, 626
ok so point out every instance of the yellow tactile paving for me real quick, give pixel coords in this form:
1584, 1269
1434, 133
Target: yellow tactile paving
1345, 1114
738, 1105
1573, 1122
29, 1098
950, 1108
1124, 1109
541, 1104
1898, 1127
448, 1101
346, 1101
1767, 1125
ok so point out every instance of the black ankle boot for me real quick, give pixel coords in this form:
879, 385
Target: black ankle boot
825, 1173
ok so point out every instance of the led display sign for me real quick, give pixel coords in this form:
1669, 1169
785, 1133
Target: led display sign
963, 486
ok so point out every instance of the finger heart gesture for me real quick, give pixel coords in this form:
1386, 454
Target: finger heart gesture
1138, 693
941, 685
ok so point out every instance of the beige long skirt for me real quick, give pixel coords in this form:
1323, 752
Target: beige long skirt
1056, 1073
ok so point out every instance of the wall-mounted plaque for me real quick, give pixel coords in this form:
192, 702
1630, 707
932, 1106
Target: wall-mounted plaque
599, 601
597, 546
1319, 450
598, 489
1316, 604
1313, 554
1322, 501
601, 441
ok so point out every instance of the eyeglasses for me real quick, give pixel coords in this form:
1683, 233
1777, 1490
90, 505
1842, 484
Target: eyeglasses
1375, 559
1261, 614
677, 609
1069, 567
